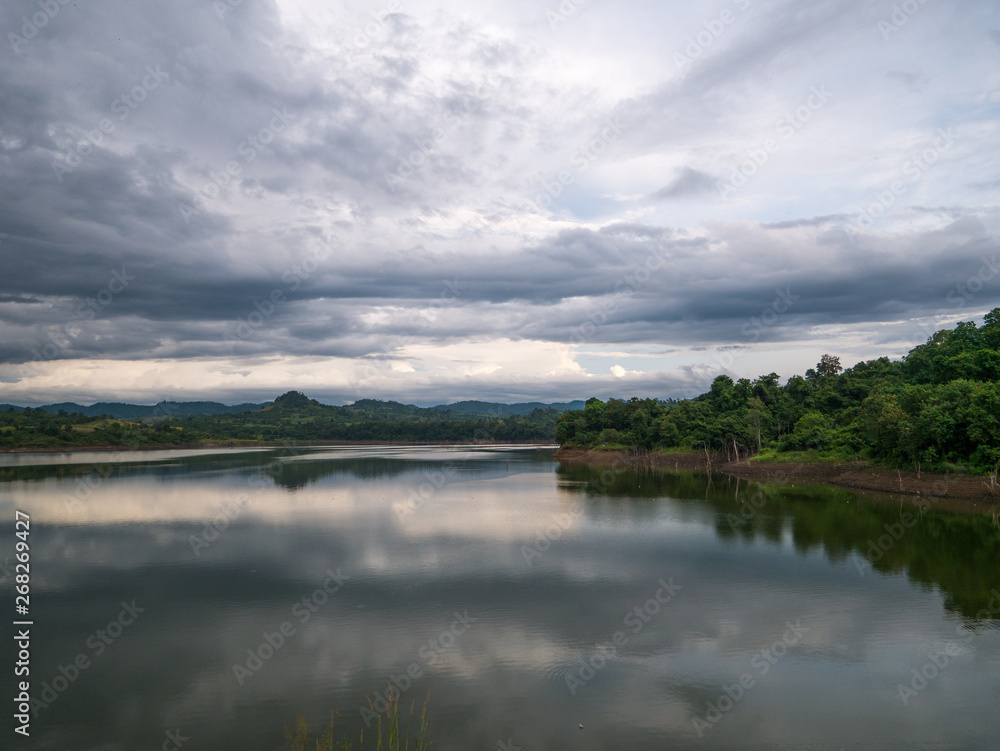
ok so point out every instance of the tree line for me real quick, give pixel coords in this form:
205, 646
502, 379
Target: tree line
292, 417
938, 408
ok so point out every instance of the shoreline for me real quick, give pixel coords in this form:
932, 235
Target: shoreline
254, 445
959, 491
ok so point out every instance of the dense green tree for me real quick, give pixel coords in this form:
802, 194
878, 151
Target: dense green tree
939, 406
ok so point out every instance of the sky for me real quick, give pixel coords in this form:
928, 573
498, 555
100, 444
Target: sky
432, 201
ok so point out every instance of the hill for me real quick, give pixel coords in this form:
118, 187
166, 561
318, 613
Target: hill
293, 416
938, 409
125, 411
496, 409
369, 408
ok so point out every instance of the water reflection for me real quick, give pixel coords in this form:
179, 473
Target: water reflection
957, 554
548, 565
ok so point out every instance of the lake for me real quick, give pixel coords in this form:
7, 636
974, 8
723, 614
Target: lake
203, 599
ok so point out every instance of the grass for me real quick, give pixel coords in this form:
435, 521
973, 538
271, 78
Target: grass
678, 450
819, 457
387, 735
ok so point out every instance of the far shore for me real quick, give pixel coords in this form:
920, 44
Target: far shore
938, 490
257, 445
958, 492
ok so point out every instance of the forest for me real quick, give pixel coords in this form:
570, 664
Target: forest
291, 417
937, 409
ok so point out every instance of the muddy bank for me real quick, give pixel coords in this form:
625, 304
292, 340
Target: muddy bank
934, 489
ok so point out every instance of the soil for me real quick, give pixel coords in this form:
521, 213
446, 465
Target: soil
957, 492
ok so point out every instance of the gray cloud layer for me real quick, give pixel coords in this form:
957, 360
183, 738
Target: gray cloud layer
171, 176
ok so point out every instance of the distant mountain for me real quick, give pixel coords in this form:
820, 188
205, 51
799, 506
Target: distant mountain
123, 411
119, 410
297, 402
293, 416
205, 408
293, 401
497, 409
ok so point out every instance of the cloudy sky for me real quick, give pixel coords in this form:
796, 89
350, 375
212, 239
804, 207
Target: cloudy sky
428, 201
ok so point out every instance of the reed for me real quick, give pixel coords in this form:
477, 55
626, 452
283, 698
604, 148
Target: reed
389, 733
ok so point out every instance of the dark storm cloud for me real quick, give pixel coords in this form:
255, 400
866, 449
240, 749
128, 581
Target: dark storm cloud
818, 221
689, 182
913, 80
985, 185
226, 167
660, 282
704, 96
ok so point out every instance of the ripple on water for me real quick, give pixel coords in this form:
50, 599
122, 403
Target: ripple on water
559, 673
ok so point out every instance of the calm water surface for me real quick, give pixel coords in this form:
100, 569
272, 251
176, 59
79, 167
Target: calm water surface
221, 594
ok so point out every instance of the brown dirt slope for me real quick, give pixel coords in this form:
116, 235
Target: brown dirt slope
855, 475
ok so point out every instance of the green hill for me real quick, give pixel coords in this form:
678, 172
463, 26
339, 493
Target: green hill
125, 411
496, 409
937, 409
